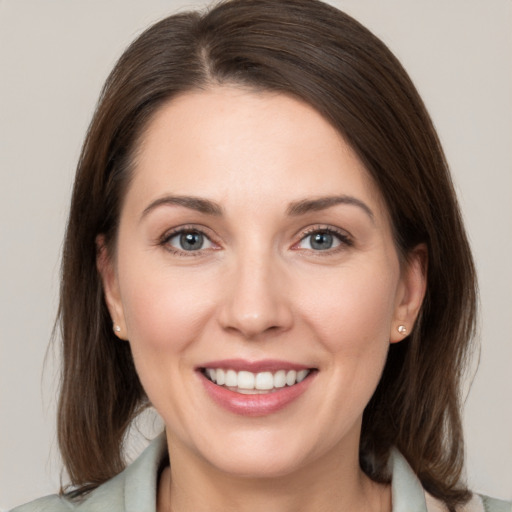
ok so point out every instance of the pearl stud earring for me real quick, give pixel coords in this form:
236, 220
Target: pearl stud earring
402, 329
117, 328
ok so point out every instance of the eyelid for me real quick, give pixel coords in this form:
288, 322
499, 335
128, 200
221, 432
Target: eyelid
187, 228
345, 238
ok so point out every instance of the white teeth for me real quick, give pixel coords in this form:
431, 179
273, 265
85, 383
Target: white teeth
220, 376
231, 379
264, 380
301, 375
246, 381
280, 379
291, 377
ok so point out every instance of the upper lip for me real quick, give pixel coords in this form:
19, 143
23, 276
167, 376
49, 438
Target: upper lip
264, 365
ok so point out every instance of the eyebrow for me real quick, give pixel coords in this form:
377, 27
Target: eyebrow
322, 203
295, 208
194, 203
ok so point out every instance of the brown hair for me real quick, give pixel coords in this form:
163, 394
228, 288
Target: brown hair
316, 53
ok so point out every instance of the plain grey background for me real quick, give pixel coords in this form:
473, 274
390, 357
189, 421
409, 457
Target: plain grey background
54, 57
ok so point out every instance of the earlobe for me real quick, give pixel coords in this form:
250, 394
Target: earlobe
107, 271
411, 293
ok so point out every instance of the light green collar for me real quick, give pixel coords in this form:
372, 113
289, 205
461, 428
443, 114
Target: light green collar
135, 488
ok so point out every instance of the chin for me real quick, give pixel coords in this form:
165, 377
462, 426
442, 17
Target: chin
259, 454
259, 465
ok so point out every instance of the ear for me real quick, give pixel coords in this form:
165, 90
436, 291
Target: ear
107, 271
410, 293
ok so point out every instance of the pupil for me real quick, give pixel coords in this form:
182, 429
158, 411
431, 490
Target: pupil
321, 241
191, 241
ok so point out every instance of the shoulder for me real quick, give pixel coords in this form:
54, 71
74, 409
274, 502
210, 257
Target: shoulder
478, 503
408, 493
52, 503
132, 489
109, 496
495, 505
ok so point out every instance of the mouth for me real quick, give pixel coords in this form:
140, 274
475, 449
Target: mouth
250, 383
255, 389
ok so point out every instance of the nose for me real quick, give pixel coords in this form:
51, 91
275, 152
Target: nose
256, 303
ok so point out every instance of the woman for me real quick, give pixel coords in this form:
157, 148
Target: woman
254, 248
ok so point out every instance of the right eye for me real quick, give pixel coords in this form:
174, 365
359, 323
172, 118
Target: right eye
188, 240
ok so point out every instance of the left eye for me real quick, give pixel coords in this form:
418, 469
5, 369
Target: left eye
320, 241
189, 241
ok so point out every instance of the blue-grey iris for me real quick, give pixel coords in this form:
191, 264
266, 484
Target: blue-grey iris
321, 241
191, 241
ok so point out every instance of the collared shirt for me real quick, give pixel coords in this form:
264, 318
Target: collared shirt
134, 490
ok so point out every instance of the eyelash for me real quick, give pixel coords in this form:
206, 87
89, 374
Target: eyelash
182, 230
343, 238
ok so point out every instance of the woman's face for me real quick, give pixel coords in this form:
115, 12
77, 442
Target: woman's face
254, 251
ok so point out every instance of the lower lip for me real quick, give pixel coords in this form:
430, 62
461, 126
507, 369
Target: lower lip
258, 404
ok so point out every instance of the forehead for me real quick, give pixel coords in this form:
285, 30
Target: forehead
229, 142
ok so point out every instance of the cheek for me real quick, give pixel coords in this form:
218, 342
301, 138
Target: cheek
354, 311
164, 310
165, 313
352, 319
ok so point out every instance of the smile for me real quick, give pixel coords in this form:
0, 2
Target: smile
255, 388
247, 382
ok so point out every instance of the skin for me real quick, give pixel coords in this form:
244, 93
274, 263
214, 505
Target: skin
257, 289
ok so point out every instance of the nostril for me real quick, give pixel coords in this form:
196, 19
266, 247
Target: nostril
254, 305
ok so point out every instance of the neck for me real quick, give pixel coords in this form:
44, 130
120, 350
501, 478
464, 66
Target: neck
330, 484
